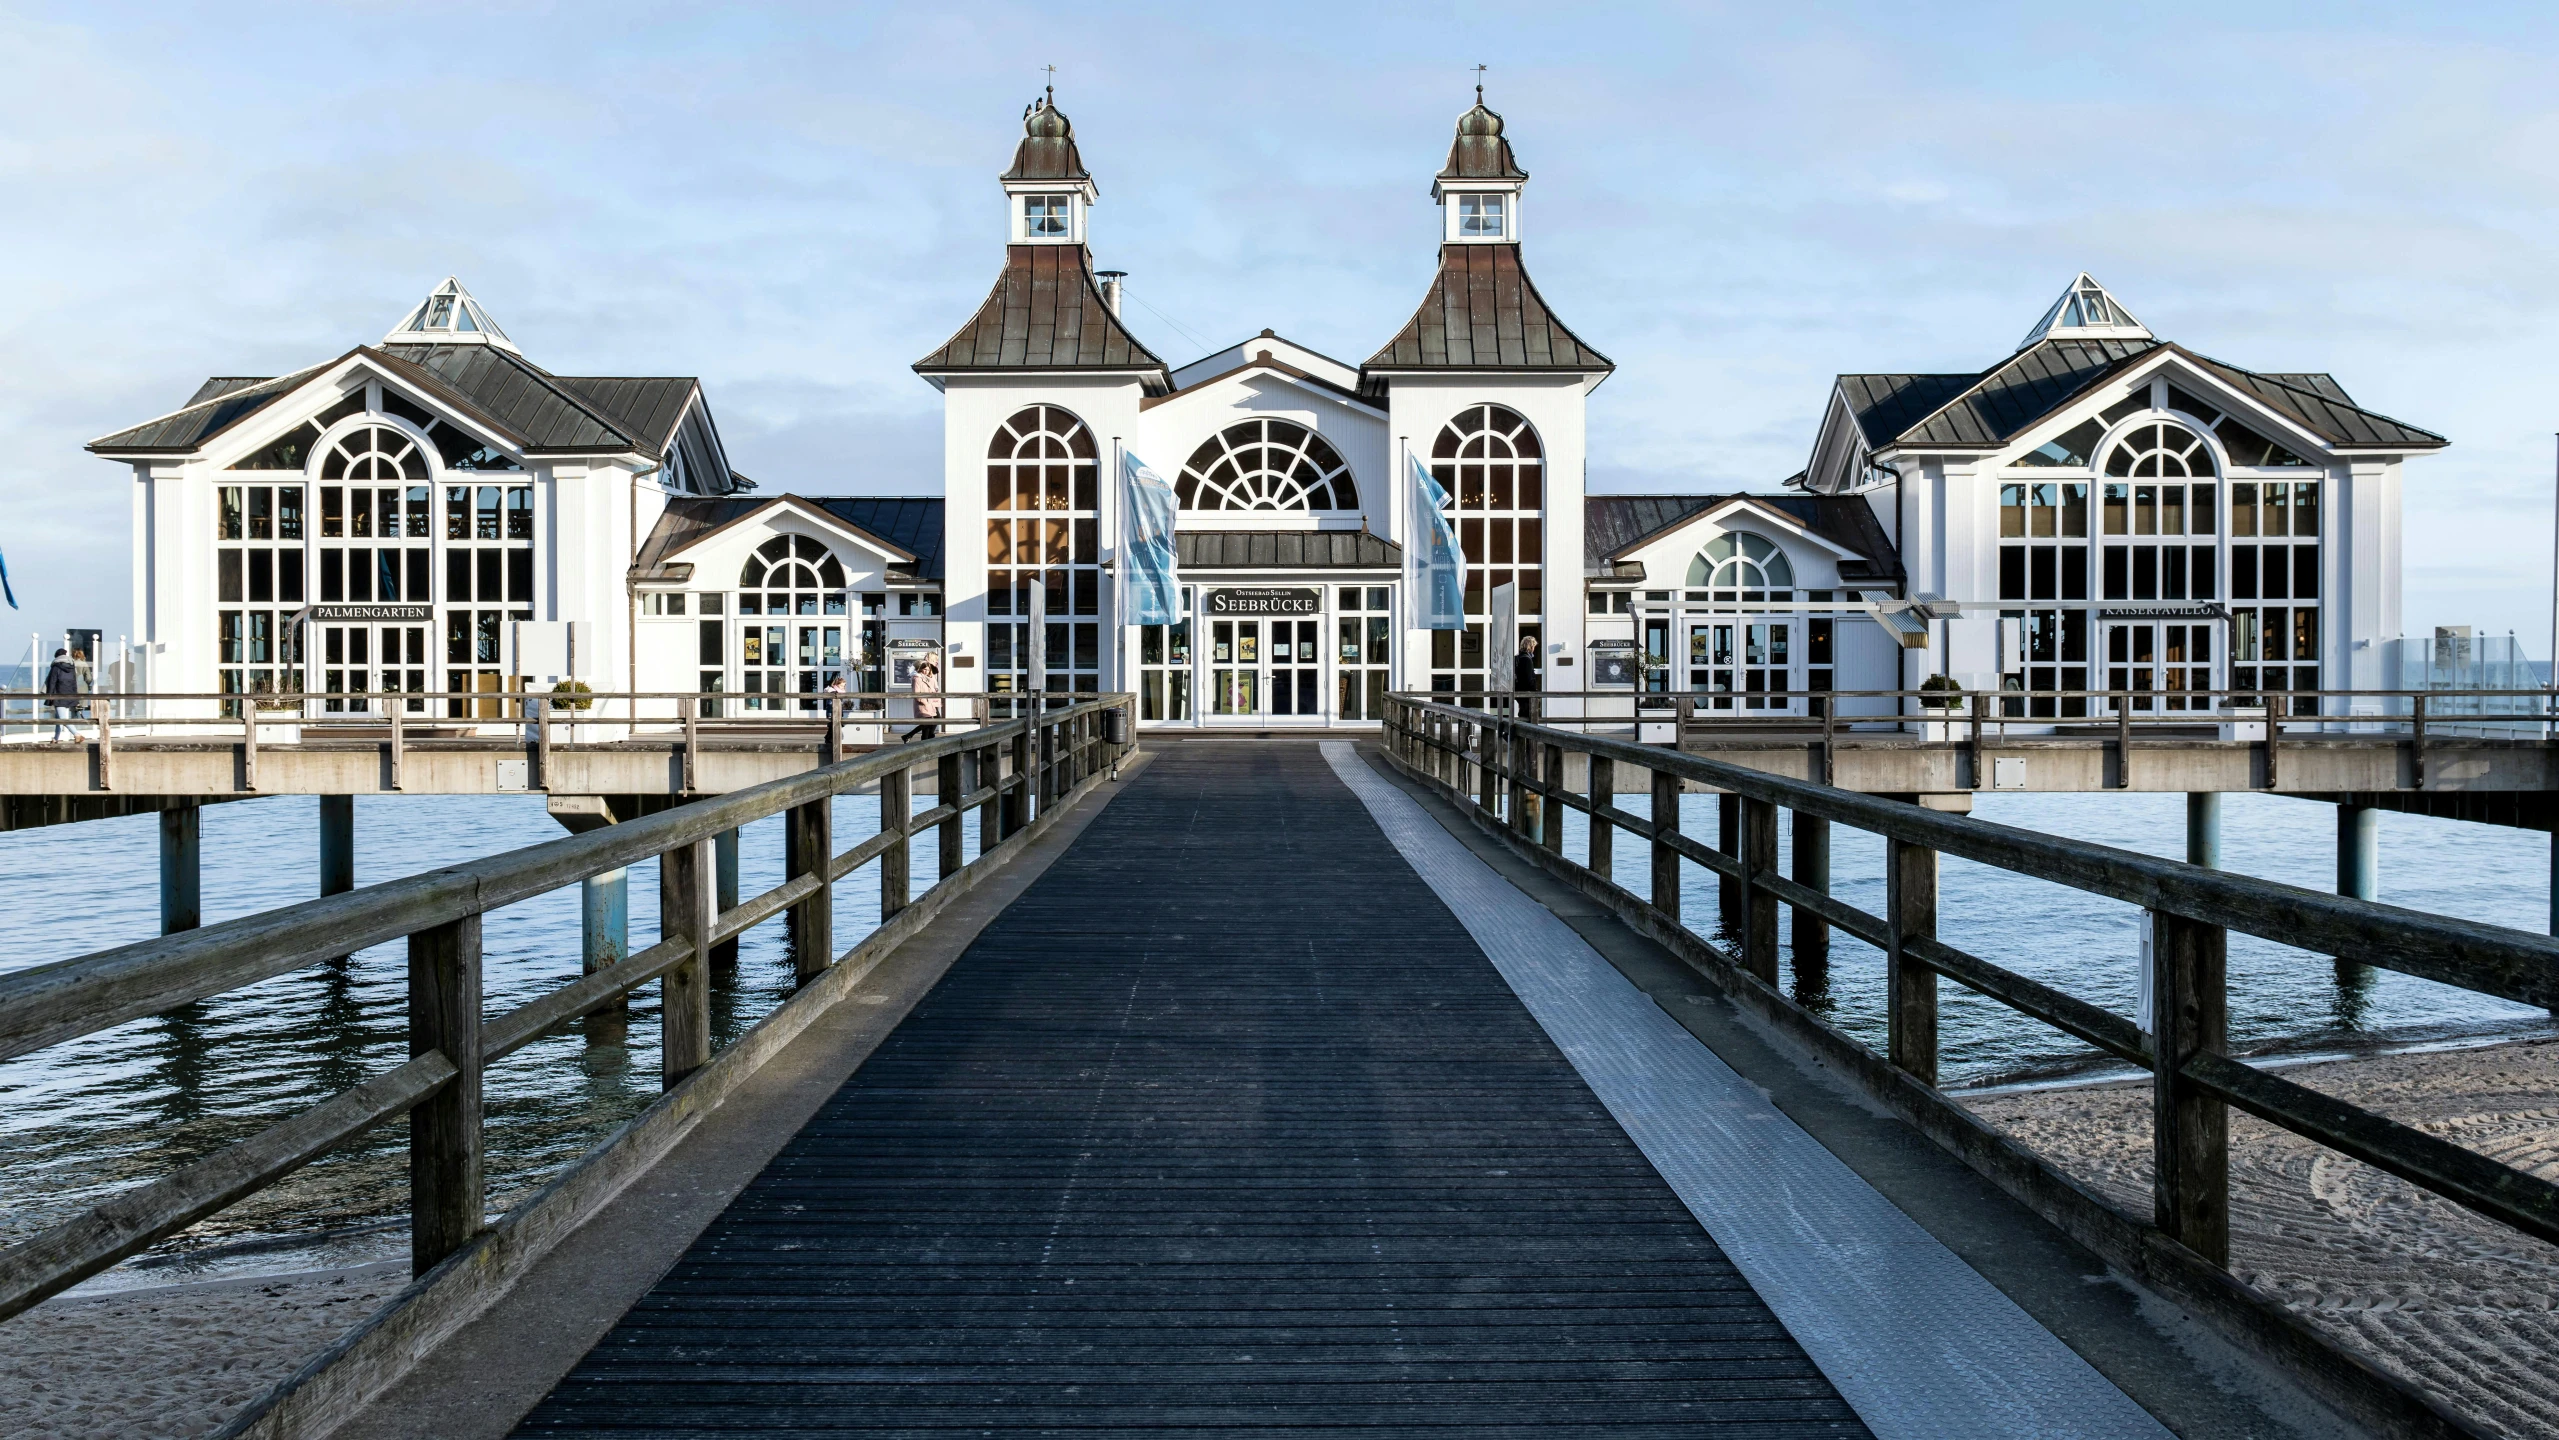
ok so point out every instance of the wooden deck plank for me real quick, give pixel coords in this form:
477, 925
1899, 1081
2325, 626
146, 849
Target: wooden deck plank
1226, 1124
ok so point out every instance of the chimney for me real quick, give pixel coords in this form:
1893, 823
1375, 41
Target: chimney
1111, 280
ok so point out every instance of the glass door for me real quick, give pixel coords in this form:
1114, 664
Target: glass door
1743, 665
1296, 667
1235, 668
360, 659
2167, 666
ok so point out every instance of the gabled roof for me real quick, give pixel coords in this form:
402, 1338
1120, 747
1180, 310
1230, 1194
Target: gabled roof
903, 525
1995, 406
1046, 312
1613, 525
183, 431
554, 415
221, 385
1483, 313
1284, 550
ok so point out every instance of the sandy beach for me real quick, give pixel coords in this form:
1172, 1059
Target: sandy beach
175, 1362
2465, 1307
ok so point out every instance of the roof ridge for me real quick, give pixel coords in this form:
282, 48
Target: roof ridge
293, 376
2098, 377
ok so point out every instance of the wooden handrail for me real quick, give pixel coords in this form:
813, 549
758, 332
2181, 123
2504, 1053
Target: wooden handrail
440, 913
2192, 908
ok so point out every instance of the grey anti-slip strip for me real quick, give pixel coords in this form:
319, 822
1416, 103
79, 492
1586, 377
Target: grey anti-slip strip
1916, 1340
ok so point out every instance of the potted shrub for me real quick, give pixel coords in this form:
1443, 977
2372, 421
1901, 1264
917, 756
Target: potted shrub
1940, 692
572, 695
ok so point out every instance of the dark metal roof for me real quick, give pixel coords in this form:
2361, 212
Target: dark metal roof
203, 417
1615, 524
1479, 152
1994, 406
910, 523
2321, 408
648, 407
221, 385
1045, 313
1047, 151
1284, 550
532, 403
1483, 313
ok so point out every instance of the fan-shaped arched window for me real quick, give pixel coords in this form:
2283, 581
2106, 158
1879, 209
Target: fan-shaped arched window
803, 572
374, 452
1737, 561
1267, 465
2161, 449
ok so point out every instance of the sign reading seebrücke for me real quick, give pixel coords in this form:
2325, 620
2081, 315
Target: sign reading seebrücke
1241, 604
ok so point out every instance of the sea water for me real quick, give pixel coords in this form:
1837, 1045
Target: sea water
83, 1120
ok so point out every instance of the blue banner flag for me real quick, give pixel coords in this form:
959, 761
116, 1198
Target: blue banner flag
1434, 570
1147, 545
4, 583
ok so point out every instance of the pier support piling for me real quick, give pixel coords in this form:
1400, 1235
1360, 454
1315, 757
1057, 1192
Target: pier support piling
1728, 838
724, 954
2359, 851
1812, 933
337, 849
604, 923
181, 868
2203, 829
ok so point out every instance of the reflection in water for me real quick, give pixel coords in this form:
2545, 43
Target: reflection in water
2354, 994
83, 1121
1812, 985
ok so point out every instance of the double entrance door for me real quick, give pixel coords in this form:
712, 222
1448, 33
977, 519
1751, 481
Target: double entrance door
779, 657
1742, 665
357, 660
2166, 664
1260, 668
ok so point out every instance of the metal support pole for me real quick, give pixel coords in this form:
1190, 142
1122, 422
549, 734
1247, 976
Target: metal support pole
447, 1202
2190, 1130
1910, 904
1812, 871
1728, 838
181, 868
604, 928
2203, 829
725, 845
2359, 852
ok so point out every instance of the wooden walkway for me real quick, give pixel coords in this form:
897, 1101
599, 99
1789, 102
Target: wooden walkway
1226, 1125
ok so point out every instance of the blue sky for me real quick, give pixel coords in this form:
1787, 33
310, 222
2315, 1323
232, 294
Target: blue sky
1735, 202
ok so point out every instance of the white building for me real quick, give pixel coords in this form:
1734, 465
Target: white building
2098, 510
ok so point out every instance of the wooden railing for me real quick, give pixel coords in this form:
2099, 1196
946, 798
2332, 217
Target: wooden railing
1009, 773
1508, 774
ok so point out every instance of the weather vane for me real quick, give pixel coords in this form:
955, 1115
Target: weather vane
1479, 84
1052, 82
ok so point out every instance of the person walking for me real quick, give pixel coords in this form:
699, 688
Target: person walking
1524, 676
927, 689
61, 688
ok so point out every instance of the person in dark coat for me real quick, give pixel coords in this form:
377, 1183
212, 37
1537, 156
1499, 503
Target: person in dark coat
61, 685
1524, 675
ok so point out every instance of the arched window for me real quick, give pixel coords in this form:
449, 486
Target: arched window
1267, 465
1737, 561
2162, 450
1043, 493
797, 573
374, 452
1489, 460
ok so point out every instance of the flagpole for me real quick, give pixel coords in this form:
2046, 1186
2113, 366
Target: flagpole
1119, 566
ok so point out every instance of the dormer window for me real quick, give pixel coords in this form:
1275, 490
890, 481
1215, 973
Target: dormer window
1045, 217
1479, 217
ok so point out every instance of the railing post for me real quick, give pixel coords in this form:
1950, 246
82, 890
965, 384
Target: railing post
2123, 741
446, 1198
986, 768
1488, 796
1017, 797
2417, 744
106, 745
248, 742
1759, 906
692, 736
399, 745
1665, 894
684, 913
1830, 740
2190, 1130
1981, 715
897, 811
1603, 835
1812, 871
1517, 759
809, 849
542, 745
1910, 876
1728, 839
947, 790
1550, 805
